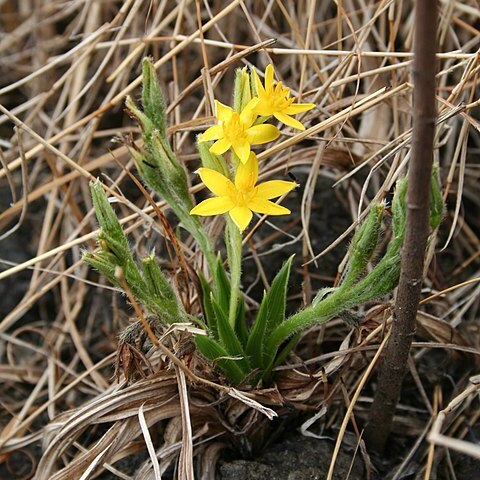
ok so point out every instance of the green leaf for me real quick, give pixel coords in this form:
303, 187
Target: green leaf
240, 322
228, 338
222, 286
270, 315
214, 352
282, 356
277, 296
279, 358
207, 305
145, 123
255, 344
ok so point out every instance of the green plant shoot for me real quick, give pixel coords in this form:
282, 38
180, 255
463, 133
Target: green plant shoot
245, 349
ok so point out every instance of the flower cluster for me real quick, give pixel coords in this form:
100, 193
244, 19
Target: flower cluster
238, 131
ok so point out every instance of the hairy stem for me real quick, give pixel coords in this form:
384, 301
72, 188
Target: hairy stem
313, 315
234, 252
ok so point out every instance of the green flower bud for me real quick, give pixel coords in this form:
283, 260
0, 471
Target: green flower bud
399, 210
104, 262
210, 160
242, 92
380, 281
159, 295
170, 168
156, 162
364, 243
110, 226
152, 97
145, 123
157, 283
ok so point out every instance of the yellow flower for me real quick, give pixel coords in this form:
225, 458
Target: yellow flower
275, 100
243, 197
237, 130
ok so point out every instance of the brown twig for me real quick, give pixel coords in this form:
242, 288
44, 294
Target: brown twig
394, 363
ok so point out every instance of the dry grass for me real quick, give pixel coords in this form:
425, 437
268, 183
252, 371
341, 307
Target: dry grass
66, 68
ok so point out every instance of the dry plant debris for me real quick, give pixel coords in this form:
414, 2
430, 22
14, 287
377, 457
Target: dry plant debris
66, 70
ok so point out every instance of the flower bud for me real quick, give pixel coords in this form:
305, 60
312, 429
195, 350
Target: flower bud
152, 97
210, 160
242, 92
145, 123
110, 226
364, 243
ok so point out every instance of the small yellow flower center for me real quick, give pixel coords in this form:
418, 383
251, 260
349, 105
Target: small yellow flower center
233, 128
241, 198
279, 97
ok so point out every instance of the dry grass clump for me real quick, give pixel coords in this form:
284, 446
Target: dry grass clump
66, 69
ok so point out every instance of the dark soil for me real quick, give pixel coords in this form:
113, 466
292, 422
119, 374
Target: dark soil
297, 458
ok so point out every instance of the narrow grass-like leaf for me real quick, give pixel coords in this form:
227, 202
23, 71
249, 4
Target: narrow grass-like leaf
282, 356
222, 286
270, 315
278, 359
240, 322
255, 344
214, 352
228, 338
277, 296
207, 305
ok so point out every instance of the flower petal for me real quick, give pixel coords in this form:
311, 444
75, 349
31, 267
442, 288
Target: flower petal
216, 182
213, 206
246, 175
269, 73
248, 115
258, 83
291, 122
259, 134
222, 112
242, 148
212, 133
260, 205
220, 146
264, 106
295, 108
241, 217
273, 188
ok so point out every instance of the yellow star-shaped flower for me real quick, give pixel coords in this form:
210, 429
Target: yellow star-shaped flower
243, 197
275, 100
237, 130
